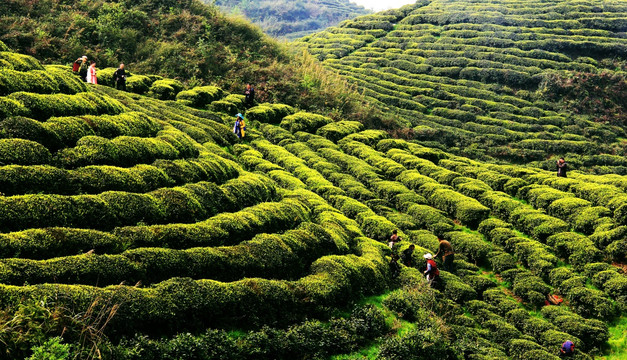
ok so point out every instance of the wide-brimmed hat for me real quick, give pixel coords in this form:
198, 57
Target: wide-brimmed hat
239, 115
428, 256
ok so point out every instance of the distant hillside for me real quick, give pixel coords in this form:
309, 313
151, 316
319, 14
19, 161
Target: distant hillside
509, 81
292, 19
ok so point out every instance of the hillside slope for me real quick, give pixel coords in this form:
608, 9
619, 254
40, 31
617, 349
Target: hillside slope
293, 19
511, 81
184, 40
143, 229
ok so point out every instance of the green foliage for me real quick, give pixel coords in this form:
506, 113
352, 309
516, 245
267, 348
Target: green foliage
166, 89
200, 96
338, 130
52, 349
421, 343
302, 121
269, 113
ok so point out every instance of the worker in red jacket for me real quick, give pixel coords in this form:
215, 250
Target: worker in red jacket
432, 273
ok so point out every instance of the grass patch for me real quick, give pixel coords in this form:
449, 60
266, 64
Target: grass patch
617, 344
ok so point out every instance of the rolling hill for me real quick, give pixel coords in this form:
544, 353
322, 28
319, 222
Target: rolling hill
516, 82
135, 225
293, 19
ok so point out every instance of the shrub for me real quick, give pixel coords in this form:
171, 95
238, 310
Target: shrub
591, 218
466, 209
501, 332
471, 245
338, 130
23, 152
591, 303
166, 89
486, 226
618, 250
593, 333
269, 113
20, 62
531, 288
417, 344
303, 121
430, 218
42, 107
273, 256
456, 289
10, 107
138, 84
200, 96
602, 238
502, 262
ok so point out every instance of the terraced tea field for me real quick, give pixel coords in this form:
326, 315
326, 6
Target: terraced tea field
511, 81
137, 226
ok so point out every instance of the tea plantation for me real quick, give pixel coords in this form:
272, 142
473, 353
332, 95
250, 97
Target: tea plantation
506, 80
135, 225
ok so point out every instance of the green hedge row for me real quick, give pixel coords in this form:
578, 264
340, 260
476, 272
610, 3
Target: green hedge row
374, 226
17, 180
613, 241
38, 81
331, 169
18, 62
202, 126
358, 168
523, 336
181, 303
315, 142
277, 135
298, 167
607, 277
338, 130
533, 290
169, 144
599, 191
593, 332
42, 107
385, 165
139, 84
302, 121
320, 339
471, 245
284, 256
23, 152
165, 89
107, 210
578, 212
269, 113
529, 220
223, 229
61, 132
200, 96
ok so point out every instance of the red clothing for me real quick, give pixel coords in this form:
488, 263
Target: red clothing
434, 268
